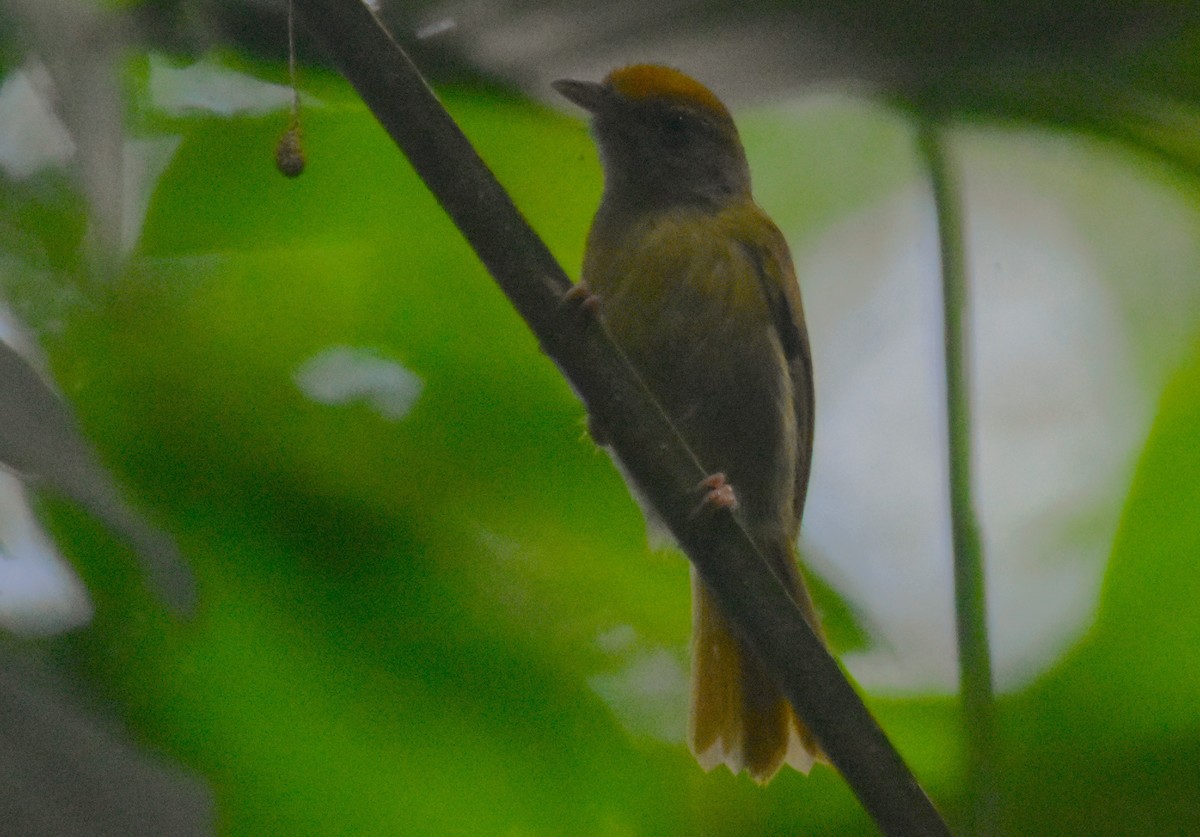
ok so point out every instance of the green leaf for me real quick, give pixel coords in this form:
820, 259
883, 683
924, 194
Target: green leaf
1109, 742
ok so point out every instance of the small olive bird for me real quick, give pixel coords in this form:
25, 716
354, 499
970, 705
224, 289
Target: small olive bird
696, 286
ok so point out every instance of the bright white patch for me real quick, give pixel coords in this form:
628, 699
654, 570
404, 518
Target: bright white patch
1058, 416
40, 594
14, 333
648, 691
208, 87
144, 162
439, 26
616, 640
344, 375
31, 137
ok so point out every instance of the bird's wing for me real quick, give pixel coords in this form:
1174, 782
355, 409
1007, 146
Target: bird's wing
782, 293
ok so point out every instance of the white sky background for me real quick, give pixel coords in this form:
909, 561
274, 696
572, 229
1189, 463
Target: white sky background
1057, 414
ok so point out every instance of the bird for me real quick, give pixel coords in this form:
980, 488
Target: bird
695, 284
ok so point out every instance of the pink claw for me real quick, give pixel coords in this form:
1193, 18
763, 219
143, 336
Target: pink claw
718, 494
580, 296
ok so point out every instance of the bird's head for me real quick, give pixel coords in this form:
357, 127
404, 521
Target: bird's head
665, 140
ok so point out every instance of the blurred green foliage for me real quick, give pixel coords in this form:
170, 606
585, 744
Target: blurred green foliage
401, 622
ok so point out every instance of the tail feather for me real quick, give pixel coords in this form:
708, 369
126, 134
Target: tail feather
738, 716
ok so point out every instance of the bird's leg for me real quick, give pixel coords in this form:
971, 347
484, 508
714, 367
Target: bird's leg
718, 494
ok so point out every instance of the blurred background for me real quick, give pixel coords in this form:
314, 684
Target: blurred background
301, 534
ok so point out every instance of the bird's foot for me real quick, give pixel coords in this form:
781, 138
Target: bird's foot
580, 297
718, 494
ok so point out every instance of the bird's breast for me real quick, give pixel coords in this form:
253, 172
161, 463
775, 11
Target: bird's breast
682, 297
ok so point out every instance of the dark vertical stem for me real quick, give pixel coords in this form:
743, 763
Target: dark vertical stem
970, 601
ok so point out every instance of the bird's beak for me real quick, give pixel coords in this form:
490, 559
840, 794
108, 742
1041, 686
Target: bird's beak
588, 95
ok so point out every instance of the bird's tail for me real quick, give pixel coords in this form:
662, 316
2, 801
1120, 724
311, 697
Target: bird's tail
738, 716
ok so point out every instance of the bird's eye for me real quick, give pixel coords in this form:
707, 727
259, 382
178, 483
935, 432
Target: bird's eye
674, 130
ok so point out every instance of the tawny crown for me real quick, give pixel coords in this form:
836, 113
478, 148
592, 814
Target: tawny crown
653, 81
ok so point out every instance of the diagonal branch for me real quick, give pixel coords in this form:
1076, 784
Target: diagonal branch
657, 458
